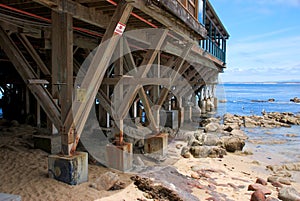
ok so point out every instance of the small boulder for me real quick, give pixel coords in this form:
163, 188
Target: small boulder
259, 187
200, 151
261, 181
185, 152
288, 194
239, 133
233, 144
106, 181
258, 196
212, 127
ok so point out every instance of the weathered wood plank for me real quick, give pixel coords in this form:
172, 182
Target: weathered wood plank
25, 71
62, 60
78, 11
146, 65
34, 54
96, 71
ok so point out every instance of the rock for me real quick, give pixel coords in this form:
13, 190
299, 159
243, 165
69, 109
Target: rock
195, 175
277, 184
200, 151
207, 151
185, 152
234, 144
295, 100
196, 168
258, 196
284, 181
186, 155
106, 181
291, 135
271, 100
217, 152
258, 101
230, 126
272, 179
288, 194
239, 133
212, 127
211, 140
178, 146
261, 181
259, 187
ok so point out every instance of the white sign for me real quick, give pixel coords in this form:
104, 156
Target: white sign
120, 28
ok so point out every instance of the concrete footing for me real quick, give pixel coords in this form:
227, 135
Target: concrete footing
120, 157
157, 144
48, 143
72, 170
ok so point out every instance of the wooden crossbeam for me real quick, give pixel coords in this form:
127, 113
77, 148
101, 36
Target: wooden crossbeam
96, 72
25, 71
30, 49
78, 11
146, 64
174, 75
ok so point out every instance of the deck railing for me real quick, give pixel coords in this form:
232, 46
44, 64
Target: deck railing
214, 49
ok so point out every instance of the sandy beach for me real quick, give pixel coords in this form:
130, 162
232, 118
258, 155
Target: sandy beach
23, 171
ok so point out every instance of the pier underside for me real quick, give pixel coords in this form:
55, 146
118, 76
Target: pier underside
117, 64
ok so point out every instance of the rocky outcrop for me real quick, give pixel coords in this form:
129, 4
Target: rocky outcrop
268, 120
295, 100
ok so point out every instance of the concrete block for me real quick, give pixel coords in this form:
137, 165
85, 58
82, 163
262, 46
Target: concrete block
9, 197
72, 170
120, 157
171, 119
48, 143
157, 144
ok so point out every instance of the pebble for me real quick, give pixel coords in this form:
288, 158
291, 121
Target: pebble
256, 187
194, 175
272, 179
258, 196
178, 146
284, 181
277, 184
261, 181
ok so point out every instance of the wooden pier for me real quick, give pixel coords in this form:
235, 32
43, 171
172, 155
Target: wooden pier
60, 59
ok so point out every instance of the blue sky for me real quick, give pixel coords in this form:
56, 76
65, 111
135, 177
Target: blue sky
264, 42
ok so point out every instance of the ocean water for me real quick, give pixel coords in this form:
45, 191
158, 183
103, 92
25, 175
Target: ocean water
240, 98
272, 146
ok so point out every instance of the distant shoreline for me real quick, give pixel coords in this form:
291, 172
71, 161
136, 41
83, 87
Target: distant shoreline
289, 82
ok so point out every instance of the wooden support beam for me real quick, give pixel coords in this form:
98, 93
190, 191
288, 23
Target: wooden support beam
146, 102
137, 81
96, 71
174, 75
62, 60
37, 81
78, 11
146, 64
25, 71
30, 49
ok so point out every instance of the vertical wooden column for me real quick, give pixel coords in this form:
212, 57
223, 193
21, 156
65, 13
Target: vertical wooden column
62, 69
119, 91
155, 91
